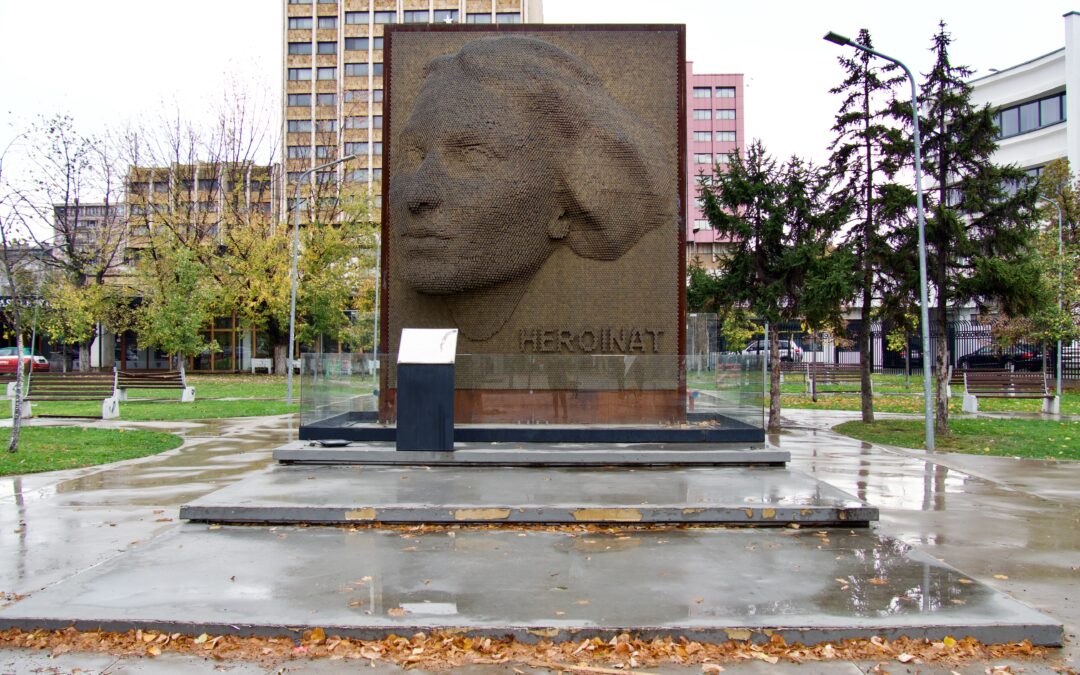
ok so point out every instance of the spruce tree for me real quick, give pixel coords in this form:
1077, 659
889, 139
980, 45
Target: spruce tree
781, 266
864, 161
980, 216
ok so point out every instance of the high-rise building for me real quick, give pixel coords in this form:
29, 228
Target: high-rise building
714, 129
332, 80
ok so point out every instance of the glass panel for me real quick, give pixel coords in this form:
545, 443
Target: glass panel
1010, 122
702, 92
1050, 111
1029, 116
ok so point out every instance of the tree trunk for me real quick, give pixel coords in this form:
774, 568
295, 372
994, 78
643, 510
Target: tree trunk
16, 410
865, 366
281, 357
941, 373
774, 382
84, 357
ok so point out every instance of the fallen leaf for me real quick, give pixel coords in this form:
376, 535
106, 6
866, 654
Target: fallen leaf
201, 639
1000, 576
949, 641
905, 658
397, 611
712, 668
154, 650
877, 581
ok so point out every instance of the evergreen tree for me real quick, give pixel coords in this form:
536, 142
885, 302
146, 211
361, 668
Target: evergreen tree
979, 216
781, 266
864, 160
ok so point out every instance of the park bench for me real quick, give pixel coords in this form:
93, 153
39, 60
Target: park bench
170, 379
268, 364
845, 376
72, 387
789, 368
1007, 384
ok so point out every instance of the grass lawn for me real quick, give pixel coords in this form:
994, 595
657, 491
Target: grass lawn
1034, 439
53, 448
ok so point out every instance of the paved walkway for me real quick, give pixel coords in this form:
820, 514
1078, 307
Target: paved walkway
1012, 524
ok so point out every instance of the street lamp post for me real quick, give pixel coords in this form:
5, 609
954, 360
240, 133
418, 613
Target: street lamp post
1061, 283
924, 309
295, 255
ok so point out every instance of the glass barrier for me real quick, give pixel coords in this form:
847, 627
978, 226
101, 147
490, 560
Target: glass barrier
521, 389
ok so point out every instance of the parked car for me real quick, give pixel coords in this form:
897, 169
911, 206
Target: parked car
9, 357
1015, 357
789, 351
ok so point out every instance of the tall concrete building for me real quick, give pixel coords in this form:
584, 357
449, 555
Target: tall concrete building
714, 128
332, 80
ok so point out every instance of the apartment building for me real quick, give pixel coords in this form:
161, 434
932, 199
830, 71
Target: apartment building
332, 80
1032, 106
714, 128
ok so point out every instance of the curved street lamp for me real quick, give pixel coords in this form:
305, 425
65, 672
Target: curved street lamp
295, 254
924, 316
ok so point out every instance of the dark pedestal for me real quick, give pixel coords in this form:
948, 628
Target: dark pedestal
425, 407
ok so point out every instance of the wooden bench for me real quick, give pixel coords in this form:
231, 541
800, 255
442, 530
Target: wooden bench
169, 379
1007, 384
268, 364
846, 376
789, 368
72, 387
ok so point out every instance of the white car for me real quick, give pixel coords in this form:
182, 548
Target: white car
789, 351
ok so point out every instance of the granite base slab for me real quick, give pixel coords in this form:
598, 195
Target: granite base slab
706, 584
758, 496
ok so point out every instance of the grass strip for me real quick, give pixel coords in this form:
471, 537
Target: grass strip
1032, 439
55, 448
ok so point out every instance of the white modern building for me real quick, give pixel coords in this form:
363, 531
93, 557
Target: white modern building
1032, 106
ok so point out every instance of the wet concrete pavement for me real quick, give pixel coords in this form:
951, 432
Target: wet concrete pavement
989, 517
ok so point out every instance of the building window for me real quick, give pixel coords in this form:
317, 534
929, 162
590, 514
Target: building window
446, 16
326, 125
415, 16
357, 176
326, 99
702, 92
356, 18
355, 95
478, 18
325, 177
296, 100
376, 69
376, 148
1020, 119
356, 148
296, 126
325, 151
326, 22
700, 114
725, 114
702, 158
299, 47
507, 17
723, 159
356, 122
725, 136
376, 95
299, 2
725, 92
356, 70
299, 73
299, 151
327, 48
376, 121
294, 176
356, 44
376, 174
701, 225
703, 136
329, 73
385, 17
300, 23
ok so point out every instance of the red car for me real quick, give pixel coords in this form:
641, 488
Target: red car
8, 359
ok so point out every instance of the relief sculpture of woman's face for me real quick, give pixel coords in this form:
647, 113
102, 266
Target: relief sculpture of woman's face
472, 191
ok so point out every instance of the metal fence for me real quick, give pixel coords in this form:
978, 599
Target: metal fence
968, 342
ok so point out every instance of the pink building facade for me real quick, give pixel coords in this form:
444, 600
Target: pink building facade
714, 128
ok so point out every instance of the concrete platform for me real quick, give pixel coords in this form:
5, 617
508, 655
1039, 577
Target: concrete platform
707, 584
535, 454
760, 496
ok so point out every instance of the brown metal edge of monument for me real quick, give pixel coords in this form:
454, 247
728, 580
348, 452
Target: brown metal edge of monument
386, 398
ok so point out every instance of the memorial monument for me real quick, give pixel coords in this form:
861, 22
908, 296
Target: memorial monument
534, 202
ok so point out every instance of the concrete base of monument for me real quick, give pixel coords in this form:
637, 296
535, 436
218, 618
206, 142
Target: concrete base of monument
751, 496
705, 584
535, 454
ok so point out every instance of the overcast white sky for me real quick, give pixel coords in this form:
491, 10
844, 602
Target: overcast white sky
108, 61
